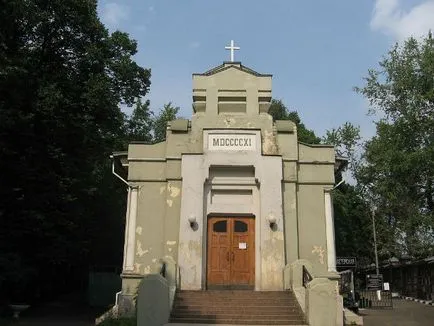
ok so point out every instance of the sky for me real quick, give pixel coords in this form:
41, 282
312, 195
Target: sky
317, 51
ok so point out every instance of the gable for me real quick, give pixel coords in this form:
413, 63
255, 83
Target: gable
232, 65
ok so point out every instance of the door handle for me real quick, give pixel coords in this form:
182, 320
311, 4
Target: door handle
233, 256
227, 255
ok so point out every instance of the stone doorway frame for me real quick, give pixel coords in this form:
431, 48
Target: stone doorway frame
252, 211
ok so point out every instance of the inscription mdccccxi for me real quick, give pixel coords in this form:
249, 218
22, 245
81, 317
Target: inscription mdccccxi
232, 142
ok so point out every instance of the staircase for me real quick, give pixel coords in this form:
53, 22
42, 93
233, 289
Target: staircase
237, 307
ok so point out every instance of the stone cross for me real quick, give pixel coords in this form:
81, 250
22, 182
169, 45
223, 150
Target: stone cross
232, 48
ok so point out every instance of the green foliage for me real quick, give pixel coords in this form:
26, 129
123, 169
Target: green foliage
140, 124
353, 229
166, 114
347, 142
398, 169
279, 111
144, 126
120, 322
345, 138
62, 77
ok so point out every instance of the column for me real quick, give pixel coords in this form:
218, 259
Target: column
191, 241
330, 231
130, 229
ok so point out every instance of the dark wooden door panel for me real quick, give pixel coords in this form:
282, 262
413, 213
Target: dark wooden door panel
219, 242
231, 251
240, 265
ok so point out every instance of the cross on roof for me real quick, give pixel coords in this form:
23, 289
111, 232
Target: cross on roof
232, 48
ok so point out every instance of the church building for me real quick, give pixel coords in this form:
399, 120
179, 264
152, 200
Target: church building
232, 198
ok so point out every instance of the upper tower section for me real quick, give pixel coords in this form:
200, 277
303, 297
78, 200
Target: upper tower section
231, 89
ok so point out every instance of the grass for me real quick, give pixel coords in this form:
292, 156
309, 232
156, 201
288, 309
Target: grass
120, 322
5, 321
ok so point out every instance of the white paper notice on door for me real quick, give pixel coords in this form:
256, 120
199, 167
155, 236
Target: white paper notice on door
242, 245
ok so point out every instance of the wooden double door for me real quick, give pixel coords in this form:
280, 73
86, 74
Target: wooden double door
231, 253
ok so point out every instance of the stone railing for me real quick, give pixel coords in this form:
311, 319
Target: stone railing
318, 295
156, 294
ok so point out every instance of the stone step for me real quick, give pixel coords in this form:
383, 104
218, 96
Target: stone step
237, 307
227, 297
226, 302
252, 294
209, 324
238, 321
179, 312
250, 318
233, 293
240, 310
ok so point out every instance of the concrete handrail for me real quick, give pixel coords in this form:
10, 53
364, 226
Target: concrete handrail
316, 294
153, 301
170, 269
157, 293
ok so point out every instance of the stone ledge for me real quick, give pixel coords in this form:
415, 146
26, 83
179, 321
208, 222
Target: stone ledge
183, 324
426, 302
350, 318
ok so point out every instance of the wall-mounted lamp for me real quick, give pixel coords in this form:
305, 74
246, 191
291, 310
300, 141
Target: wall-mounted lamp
272, 222
192, 221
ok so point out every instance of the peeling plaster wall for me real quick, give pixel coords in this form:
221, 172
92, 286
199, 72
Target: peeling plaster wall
269, 144
312, 226
270, 256
190, 241
272, 245
174, 187
149, 228
290, 222
171, 218
202, 122
288, 148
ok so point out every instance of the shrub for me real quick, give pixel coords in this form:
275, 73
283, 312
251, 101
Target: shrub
119, 322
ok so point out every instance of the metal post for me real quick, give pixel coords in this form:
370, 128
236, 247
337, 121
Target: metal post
375, 242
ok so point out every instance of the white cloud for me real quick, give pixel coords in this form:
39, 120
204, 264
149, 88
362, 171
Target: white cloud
113, 14
390, 18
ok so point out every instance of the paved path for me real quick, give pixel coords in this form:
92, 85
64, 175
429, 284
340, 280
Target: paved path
404, 313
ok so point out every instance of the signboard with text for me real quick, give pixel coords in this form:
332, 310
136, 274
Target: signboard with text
232, 142
346, 262
374, 282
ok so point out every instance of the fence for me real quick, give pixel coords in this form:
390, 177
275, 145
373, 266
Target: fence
374, 299
103, 283
346, 289
408, 278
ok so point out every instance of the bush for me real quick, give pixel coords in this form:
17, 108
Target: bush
119, 322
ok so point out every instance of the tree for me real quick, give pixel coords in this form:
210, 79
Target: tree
279, 111
140, 124
62, 77
347, 142
398, 169
351, 210
353, 229
166, 114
